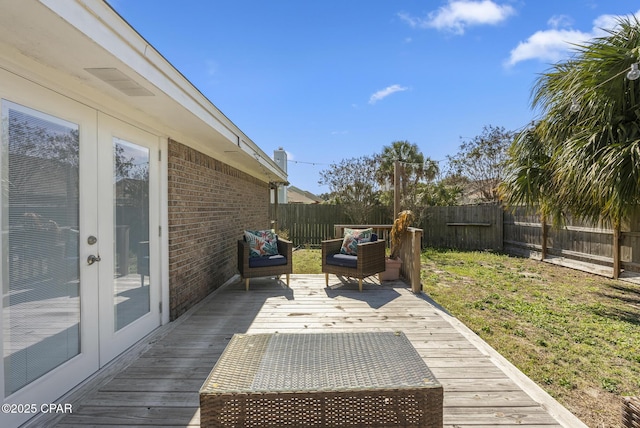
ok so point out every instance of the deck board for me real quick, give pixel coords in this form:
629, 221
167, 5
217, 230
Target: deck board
160, 387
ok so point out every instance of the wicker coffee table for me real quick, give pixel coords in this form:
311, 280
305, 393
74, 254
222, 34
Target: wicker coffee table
372, 379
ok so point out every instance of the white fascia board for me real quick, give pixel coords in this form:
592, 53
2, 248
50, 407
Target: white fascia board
105, 27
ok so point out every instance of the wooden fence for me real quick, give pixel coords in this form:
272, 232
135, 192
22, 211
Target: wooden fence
484, 227
466, 227
310, 224
575, 240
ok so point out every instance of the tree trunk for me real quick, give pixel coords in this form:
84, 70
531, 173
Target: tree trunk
616, 250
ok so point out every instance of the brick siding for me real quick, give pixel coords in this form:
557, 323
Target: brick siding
210, 204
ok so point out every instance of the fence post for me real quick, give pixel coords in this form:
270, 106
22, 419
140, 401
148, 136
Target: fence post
410, 251
416, 237
545, 235
500, 227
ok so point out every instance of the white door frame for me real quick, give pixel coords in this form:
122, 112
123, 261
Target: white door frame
57, 382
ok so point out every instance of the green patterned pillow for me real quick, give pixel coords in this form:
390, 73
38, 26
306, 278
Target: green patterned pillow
353, 237
261, 243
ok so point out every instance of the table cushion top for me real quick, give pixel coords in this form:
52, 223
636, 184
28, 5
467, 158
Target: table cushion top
318, 361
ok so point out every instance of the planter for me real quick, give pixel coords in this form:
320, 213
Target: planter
392, 270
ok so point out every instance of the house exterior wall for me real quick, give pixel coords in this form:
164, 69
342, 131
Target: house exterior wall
210, 204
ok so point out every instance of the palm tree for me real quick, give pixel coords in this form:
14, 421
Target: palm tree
414, 168
529, 180
591, 127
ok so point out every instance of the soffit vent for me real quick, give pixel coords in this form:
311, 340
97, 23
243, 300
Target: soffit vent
120, 81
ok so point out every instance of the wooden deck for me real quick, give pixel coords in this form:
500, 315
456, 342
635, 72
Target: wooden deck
157, 382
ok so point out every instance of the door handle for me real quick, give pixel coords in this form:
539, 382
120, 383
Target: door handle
92, 259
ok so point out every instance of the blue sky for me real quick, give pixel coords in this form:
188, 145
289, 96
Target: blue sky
335, 79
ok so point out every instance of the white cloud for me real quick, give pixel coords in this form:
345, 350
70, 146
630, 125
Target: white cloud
555, 43
548, 45
607, 22
383, 93
412, 21
457, 15
558, 21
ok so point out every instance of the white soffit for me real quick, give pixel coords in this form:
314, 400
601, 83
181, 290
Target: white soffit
120, 81
88, 42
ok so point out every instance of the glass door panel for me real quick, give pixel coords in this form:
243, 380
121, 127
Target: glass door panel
128, 190
131, 299
40, 238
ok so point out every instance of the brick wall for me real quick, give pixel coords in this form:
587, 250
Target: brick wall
210, 204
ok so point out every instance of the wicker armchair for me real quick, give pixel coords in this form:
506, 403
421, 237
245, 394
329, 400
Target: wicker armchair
265, 266
631, 412
369, 261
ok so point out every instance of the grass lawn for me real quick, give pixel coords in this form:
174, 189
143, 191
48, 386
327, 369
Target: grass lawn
307, 261
575, 334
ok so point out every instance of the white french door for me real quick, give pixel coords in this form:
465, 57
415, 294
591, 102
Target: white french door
128, 230
79, 197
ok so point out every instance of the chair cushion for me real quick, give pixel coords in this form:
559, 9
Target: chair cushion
344, 260
353, 237
267, 261
261, 243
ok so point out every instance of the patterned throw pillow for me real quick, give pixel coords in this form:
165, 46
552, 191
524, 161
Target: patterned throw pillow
261, 243
353, 237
